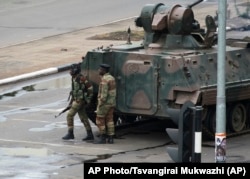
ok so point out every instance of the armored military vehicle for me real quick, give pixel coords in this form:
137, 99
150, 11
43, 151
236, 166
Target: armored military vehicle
174, 63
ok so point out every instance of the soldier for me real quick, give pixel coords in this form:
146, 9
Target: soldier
105, 106
81, 94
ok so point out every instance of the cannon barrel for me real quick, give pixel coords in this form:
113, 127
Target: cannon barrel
194, 4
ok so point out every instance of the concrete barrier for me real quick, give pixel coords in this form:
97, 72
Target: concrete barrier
35, 74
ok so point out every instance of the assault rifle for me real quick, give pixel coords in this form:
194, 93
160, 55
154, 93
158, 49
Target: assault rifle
67, 108
63, 111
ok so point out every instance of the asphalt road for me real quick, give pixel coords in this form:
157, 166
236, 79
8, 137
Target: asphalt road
31, 133
31, 145
22, 21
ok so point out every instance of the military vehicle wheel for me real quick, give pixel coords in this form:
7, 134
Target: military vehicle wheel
212, 119
237, 117
128, 118
208, 118
248, 115
116, 119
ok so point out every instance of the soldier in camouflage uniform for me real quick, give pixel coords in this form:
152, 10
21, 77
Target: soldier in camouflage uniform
81, 94
105, 106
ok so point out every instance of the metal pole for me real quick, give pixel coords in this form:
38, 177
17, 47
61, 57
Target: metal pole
220, 135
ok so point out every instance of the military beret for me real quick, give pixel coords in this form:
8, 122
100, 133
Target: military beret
106, 66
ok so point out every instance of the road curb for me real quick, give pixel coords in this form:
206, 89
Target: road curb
26, 76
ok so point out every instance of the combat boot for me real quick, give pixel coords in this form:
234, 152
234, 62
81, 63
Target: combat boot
110, 139
89, 136
101, 140
69, 135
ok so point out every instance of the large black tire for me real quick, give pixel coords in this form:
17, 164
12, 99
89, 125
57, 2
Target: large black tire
237, 118
128, 118
208, 129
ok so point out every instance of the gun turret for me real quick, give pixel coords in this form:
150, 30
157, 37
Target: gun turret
194, 4
168, 25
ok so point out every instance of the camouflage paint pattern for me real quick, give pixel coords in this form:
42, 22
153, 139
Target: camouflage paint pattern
105, 106
176, 62
106, 124
106, 95
82, 92
78, 107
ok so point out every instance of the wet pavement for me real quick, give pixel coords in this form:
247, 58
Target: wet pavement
31, 145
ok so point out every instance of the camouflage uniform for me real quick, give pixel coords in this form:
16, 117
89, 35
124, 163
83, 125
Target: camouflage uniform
105, 107
82, 92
